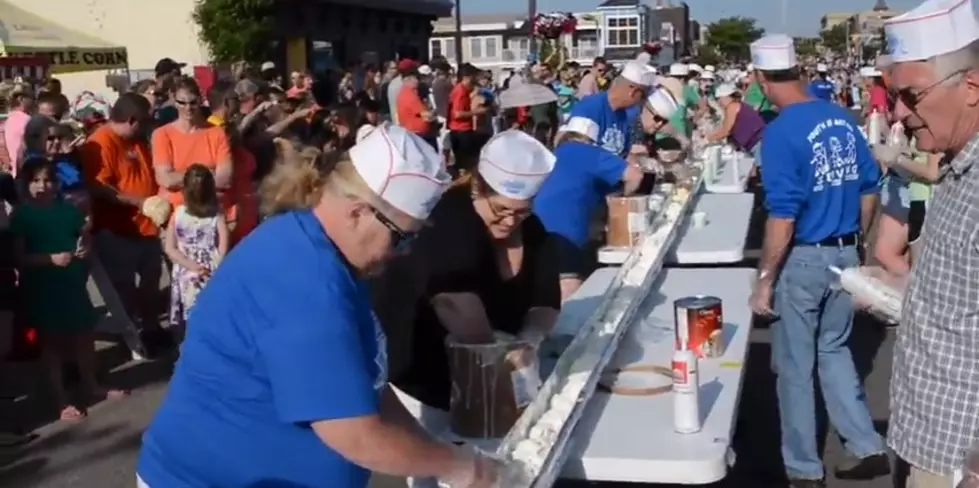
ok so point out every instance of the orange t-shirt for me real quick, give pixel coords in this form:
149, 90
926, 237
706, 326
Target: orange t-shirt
460, 101
410, 108
244, 210
124, 165
171, 146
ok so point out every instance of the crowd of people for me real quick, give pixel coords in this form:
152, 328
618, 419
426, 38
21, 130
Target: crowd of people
323, 241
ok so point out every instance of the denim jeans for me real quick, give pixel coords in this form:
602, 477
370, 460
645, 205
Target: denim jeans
814, 321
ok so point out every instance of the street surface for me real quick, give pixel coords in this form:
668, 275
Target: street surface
100, 451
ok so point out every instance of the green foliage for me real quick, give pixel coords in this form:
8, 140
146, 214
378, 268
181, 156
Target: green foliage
731, 37
836, 38
807, 47
235, 30
708, 55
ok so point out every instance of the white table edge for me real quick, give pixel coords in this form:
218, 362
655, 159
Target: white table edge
693, 472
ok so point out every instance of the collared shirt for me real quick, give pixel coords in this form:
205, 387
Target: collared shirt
935, 377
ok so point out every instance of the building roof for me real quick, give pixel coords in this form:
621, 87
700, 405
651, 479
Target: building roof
881, 6
619, 3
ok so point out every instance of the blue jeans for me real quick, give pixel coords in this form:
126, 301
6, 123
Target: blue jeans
814, 322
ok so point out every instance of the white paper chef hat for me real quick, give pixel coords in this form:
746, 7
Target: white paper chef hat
821, 68
707, 75
750, 67
710, 67
581, 125
679, 69
774, 52
694, 67
869, 72
934, 28
662, 102
402, 169
725, 90
639, 73
515, 165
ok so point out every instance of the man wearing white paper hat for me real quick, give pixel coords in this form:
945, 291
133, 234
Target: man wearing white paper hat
287, 318
583, 176
615, 109
821, 87
934, 51
820, 193
468, 295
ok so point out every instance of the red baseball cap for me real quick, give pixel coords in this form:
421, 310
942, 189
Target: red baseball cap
407, 64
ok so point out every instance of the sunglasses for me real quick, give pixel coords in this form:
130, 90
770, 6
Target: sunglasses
401, 239
188, 103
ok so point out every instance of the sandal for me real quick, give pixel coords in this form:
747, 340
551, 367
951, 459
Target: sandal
71, 413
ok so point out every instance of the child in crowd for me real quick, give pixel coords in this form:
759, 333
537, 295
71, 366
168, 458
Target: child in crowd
51, 245
197, 238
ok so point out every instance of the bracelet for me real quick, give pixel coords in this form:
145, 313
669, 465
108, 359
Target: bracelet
607, 382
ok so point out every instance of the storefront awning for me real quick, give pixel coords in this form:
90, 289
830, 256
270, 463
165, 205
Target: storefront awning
23, 33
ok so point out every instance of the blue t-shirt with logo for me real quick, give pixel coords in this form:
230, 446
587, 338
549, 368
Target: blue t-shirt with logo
613, 125
820, 167
283, 335
582, 176
822, 89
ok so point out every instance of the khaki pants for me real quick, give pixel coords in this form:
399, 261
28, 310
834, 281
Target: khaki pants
918, 478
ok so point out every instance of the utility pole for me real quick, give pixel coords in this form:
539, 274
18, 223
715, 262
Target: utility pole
531, 13
458, 36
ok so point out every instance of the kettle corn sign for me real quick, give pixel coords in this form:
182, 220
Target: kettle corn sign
73, 60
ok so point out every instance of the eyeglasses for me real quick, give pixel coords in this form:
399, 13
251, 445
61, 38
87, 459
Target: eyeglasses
401, 239
911, 99
501, 212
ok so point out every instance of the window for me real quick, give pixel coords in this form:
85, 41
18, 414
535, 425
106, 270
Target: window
475, 48
484, 47
622, 31
445, 47
490, 47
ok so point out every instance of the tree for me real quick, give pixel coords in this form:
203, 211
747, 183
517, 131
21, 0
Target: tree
807, 47
708, 55
836, 38
235, 30
732, 36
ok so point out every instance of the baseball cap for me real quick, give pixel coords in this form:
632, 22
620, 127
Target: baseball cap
167, 65
401, 168
407, 64
515, 165
268, 65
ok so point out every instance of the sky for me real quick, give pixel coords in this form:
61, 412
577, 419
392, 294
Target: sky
802, 17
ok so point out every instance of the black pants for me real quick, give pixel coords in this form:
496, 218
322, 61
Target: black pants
466, 146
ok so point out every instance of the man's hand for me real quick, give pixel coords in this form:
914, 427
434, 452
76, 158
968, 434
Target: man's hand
889, 155
761, 297
473, 469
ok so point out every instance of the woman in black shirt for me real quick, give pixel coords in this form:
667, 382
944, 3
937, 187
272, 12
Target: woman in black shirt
484, 267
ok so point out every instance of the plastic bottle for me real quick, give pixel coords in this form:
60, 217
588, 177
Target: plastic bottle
686, 392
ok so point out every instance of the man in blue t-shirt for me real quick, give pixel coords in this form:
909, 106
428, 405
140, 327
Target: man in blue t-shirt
282, 379
820, 192
614, 110
821, 87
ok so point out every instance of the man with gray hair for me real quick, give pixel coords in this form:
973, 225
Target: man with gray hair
935, 379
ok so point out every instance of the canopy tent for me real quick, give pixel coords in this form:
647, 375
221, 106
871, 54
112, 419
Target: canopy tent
23, 33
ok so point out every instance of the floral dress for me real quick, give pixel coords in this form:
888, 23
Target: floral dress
197, 238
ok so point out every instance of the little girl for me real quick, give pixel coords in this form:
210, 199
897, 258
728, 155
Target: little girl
197, 238
52, 243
